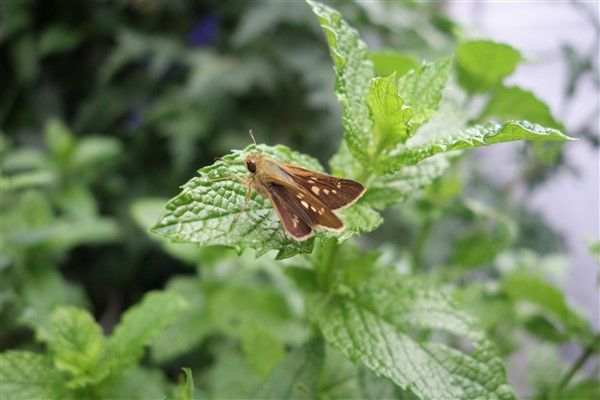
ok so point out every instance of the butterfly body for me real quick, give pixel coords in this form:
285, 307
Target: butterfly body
303, 199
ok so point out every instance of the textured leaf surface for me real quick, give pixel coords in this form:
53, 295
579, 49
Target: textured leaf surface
396, 326
389, 114
26, 375
477, 136
422, 89
354, 71
140, 325
297, 376
205, 211
394, 188
482, 64
77, 344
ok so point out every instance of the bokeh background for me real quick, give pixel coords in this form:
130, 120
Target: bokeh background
106, 108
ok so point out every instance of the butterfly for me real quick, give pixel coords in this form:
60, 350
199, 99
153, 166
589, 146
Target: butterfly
303, 199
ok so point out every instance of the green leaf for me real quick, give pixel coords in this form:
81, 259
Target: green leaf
145, 212
43, 292
502, 105
477, 136
77, 345
191, 325
483, 64
408, 331
262, 350
388, 62
386, 190
354, 72
186, 385
423, 88
297, 377
136, 383
59, 140
59, 39
551, 304
389, 114
139, 325
27, 375
488, 235
208, 209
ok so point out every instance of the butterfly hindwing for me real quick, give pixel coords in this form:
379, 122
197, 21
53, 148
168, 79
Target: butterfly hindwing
333, 192
299, 210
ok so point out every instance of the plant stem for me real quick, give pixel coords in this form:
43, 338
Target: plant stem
583, 357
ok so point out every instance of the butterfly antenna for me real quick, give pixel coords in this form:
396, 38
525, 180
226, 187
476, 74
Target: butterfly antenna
252, 136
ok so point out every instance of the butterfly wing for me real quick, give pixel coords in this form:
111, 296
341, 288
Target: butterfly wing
299, 211
333, 192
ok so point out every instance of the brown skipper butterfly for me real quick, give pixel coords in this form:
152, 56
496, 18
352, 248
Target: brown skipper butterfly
303, 199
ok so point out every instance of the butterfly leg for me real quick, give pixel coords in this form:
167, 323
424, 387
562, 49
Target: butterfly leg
249, 192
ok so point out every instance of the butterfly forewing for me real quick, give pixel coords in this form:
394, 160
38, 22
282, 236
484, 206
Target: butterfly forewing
333, 192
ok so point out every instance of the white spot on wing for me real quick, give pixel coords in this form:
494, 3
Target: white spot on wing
312, 208
315, 190
305, 204
334, 191
326, 191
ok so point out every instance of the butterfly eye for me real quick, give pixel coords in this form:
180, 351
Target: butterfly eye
250, 166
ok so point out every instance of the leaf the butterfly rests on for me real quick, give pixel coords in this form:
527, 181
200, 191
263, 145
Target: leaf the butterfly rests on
208, 211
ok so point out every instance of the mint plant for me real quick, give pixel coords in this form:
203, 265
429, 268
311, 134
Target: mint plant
440, 281
403, 327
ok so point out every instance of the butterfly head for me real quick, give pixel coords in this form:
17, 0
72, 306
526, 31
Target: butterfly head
252, 160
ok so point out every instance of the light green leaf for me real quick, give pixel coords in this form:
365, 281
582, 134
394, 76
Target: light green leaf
386, 190
135, 384
229, 377
297, 377
422, 89
388, 62
263, 351
516, 103
389, 114
550, 303
191, 325
59, 140
483, 64
477, 136
408, 331
209, 209
25, 375
354, 72
139, 325
186, 385
77, 345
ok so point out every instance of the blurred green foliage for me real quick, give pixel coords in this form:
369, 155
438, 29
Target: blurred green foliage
106, 108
